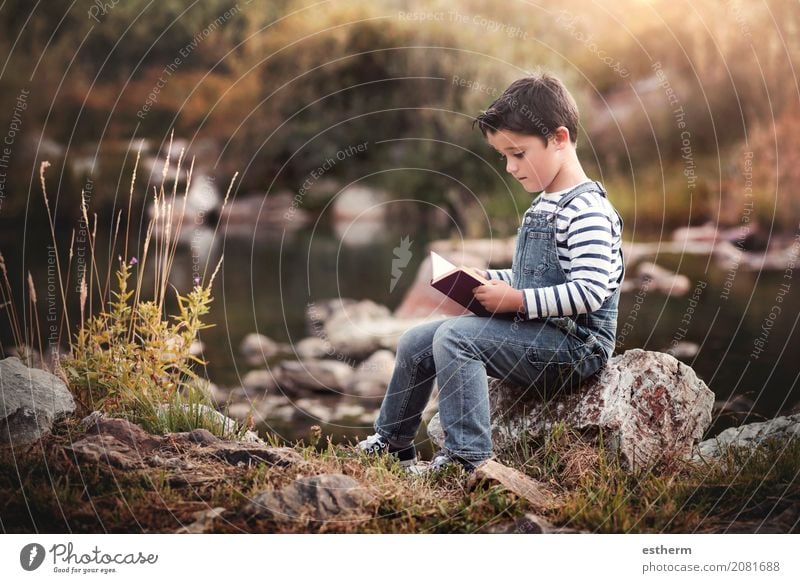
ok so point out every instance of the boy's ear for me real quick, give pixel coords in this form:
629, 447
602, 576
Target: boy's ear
561, 136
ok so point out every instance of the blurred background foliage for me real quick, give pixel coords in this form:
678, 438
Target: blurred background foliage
278, 86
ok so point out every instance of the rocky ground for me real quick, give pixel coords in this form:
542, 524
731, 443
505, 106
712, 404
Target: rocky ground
621, 456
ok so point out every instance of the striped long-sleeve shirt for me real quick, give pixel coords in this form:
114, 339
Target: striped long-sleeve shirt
588, 240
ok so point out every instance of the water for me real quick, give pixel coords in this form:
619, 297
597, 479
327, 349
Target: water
267, 283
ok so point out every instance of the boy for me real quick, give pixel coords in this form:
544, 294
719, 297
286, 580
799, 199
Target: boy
563, 287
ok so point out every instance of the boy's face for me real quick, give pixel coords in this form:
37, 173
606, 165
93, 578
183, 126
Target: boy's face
527, 158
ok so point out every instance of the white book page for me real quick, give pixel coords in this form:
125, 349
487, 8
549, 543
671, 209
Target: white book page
440, 265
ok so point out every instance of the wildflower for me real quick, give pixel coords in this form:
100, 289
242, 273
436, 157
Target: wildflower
196, 280
133, 261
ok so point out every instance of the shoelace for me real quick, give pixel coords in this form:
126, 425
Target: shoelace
376, 442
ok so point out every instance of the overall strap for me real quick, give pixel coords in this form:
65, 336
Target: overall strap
579, 190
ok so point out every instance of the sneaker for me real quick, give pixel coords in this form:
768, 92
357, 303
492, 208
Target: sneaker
377, 445
442, 460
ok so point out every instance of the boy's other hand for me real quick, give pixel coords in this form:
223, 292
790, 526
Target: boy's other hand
499, 297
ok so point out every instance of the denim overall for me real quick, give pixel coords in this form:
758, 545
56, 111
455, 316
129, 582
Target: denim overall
546, 354
536, 265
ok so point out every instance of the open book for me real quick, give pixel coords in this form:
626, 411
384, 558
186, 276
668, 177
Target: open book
457, 283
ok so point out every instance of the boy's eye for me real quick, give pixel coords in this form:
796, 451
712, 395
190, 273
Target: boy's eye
519, 154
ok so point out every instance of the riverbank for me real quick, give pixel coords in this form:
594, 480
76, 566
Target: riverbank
49, 487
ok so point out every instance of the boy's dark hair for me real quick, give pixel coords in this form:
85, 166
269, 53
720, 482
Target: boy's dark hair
535, 105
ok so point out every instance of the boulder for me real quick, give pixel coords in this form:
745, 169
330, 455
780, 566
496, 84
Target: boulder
320, 311
317, 409
372, 376
750, 435
257, 348
31, 400
647, 405
354, 330
358, 330
260, 381
313, 347
315, 374
316, 499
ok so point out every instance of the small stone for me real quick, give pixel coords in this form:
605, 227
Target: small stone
315, 499
203, 521
536, 493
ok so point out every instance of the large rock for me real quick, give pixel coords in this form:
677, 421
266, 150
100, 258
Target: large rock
257, 349
750, 435
320, 311
323, 498
260, 381
356, 330
316, 375
648, 405
31, 400
313, 347
373, 375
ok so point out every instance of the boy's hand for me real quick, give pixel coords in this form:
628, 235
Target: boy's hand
499, 297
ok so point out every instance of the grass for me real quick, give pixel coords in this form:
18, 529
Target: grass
127, 356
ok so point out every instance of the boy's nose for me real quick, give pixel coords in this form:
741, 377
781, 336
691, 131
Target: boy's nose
511, 167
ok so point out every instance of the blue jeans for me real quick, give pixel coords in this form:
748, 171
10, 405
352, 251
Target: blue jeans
459, 353
547, 354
